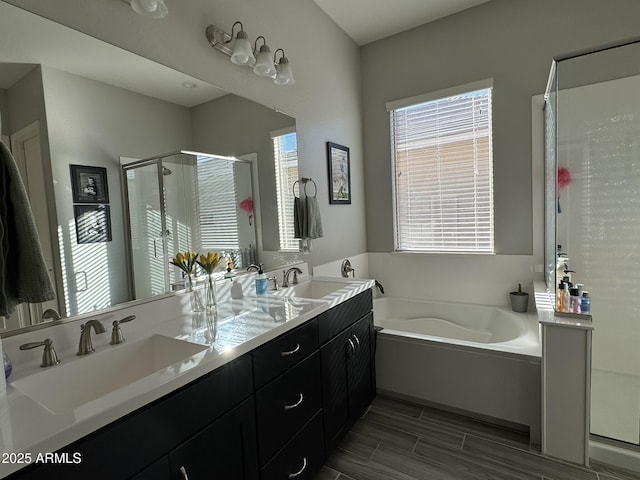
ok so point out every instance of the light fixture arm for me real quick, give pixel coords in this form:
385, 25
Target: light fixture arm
234, 26
255, 44
276, 53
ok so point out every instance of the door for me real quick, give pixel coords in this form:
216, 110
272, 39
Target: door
25, 146
226, 449
147, 229
359, 368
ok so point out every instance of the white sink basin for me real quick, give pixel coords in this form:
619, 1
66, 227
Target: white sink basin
63, 388
314, 289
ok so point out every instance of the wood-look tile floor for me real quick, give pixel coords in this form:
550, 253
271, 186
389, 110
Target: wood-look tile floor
398, 441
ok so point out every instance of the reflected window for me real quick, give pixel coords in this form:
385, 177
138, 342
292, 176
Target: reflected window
285, 149
217, 205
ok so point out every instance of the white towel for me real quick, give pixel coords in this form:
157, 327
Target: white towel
23, 273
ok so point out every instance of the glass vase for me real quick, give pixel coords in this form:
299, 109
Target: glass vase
194, 296
211, 302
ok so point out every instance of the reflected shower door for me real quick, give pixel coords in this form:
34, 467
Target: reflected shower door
148, 230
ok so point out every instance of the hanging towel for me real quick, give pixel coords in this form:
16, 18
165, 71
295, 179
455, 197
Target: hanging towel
298, 217
313, 222
23, 273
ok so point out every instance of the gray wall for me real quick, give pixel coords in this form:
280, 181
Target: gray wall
235, 126
512, 41
325, 98
5, 128
91, 123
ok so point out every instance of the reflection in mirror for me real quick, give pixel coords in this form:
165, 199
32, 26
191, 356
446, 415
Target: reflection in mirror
182, 202
69, 99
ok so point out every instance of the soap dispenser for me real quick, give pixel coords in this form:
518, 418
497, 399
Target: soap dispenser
262, 282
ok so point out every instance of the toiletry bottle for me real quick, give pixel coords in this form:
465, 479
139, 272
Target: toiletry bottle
262, 282
561, 302
574, 301
585, 302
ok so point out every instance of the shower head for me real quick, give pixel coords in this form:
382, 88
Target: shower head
166, 171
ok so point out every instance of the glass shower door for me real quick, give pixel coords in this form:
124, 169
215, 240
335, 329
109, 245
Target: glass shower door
148, 230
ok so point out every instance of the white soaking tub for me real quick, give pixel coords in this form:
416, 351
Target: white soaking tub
478, 360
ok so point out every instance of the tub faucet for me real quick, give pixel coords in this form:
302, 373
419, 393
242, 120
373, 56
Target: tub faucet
285, 280
86, 346
347, 269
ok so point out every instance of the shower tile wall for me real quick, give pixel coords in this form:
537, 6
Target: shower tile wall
599, 227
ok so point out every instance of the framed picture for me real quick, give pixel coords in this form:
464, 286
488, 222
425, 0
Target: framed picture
89, 184
339, 174
93, 223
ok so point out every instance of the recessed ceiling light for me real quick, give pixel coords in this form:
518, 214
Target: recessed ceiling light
189, 85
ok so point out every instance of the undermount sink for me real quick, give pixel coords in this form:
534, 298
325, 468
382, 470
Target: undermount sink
63, 388
314, 289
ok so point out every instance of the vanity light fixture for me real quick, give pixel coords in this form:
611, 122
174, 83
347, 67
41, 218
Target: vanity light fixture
149, 8
264, 64
241, 53
284, 75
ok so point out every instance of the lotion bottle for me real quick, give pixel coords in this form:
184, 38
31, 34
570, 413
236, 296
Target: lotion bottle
561, 305
262, 282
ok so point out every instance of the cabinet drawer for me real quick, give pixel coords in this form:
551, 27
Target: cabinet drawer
286, 404
283, 352
302, 458
333, 321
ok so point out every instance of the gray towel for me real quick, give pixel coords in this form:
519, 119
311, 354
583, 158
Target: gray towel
298, 217
23, 273
313, 222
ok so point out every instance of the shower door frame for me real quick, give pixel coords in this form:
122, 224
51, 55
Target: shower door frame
157, 160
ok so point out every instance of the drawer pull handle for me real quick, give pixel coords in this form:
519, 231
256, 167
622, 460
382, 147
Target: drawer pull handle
355, 337
296, 349
299, 472
183, 473
352, 352
295, 405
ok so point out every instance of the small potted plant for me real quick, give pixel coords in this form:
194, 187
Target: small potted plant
519, 300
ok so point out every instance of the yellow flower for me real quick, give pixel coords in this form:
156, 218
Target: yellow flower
209, 261
185, 261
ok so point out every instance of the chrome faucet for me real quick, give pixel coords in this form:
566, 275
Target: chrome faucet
285, 279
86, 346
51, 313
253, 268
116, 334
49, 356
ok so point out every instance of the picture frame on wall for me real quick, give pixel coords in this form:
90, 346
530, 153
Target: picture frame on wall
89, 184
93, 223
339, 163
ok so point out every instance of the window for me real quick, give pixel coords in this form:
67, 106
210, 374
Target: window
217, 204
443, 171
285, 153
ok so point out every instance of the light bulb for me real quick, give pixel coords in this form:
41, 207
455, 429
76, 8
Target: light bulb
150, 8
264, 64
242, 54
284, 75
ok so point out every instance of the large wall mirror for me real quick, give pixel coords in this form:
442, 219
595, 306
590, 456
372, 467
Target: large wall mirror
81, 115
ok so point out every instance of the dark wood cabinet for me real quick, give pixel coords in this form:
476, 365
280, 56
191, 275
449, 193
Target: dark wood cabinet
271, 414
347, 379
224, 449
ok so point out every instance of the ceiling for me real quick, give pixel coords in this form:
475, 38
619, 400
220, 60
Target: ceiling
27, 40
368, 20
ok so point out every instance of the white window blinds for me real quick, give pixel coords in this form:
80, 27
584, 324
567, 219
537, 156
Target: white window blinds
217, 205
285, 153
442, 151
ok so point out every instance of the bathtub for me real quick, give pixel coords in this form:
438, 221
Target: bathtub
478, 360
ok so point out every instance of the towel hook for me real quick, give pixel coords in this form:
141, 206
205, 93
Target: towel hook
306, 181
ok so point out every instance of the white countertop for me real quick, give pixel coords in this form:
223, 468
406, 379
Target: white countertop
545, 305
241, 325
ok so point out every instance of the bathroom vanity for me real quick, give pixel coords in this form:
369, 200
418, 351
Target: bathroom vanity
272, 406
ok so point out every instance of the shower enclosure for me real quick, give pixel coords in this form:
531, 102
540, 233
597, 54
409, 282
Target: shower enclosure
592, 127
185, 201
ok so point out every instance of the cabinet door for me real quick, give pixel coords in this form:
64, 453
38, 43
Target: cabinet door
335, 397
225, 449
359, 368
158, 470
